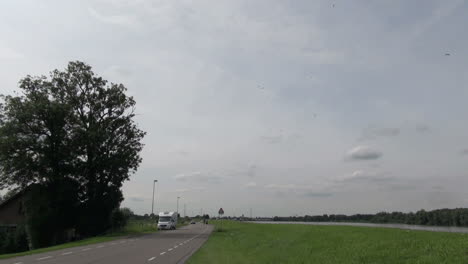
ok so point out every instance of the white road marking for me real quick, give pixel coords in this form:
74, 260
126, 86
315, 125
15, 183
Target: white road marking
67, 253
162, 253
86, 249
48, 257
169, 249
18, 263
176, 246
181, 244
150, 259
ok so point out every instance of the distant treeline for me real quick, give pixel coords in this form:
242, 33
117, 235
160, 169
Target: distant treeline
439, 217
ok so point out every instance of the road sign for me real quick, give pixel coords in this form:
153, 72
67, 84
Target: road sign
221, 211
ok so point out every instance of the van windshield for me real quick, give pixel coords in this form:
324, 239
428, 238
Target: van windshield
164, 219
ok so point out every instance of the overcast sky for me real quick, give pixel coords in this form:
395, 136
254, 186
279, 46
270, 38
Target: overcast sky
285, 107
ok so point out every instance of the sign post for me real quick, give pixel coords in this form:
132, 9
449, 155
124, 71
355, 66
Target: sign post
220, 214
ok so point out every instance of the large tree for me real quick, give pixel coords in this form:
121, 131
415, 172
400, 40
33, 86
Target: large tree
72, 130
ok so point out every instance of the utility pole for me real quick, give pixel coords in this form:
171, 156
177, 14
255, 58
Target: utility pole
152, 201
178, 205
185, 214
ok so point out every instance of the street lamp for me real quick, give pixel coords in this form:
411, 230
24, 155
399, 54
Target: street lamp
152, 201
178, 206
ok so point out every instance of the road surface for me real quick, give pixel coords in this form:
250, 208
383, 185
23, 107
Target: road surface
174, 246
451, 229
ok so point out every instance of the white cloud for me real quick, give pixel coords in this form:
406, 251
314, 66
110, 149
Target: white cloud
422, 128
299, 190
250, 184
121, 20
191, 189
362, 176
7, 53
376, 132
363, 153
199, 177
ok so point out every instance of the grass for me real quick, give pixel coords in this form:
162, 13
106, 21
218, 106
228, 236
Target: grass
262, 243
134, 227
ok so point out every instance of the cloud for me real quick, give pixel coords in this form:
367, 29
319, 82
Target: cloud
364, 176
464, 152
375, 132
116, 70
9, 54
180, 152
135, 199
252, 171
250, 184
318, 194
121, 20
422, 128
299, 190
198, 177
272, 139
184, 190
363, 153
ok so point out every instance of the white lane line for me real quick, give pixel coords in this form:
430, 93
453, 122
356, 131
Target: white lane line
162, 253
150, 259
176, 246
48, 257
101, 246
67, 253
181, 244
86, 249
170, 249
18, 263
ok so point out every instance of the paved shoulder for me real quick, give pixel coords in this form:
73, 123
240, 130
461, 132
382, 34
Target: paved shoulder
161, 247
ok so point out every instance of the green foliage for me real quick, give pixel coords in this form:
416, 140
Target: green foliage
13, 240
72, 136
119, 218
277, 243
439, 217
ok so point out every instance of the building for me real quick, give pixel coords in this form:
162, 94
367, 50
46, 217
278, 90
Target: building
12, 211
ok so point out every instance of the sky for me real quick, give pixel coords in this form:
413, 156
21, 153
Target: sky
273, 107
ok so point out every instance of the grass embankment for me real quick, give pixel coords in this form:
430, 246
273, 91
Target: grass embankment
266, 243
134, 227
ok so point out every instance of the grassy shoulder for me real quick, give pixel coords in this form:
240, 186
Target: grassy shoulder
263, 243
134, 227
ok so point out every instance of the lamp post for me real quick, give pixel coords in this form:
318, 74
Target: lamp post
152, 201
178, 205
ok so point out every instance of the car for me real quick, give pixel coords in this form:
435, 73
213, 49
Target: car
192, 223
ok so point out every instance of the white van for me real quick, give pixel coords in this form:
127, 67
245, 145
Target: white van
167, 220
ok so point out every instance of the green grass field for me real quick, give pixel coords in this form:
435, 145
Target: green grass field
262, 243
134, 227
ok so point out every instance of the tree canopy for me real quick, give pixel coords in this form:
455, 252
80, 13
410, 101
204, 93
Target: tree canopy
71, 132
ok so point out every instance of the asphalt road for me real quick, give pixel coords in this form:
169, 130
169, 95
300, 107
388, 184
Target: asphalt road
174, 246
450, 229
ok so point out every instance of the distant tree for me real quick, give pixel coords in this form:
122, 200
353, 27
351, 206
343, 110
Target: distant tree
127, 212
